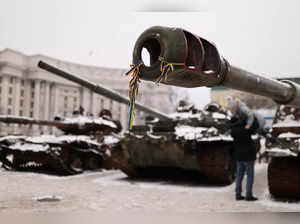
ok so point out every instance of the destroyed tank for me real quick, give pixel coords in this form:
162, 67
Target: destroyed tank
64, 155
196, 144
283, 147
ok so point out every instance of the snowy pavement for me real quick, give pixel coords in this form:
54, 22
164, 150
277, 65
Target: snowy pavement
112, 191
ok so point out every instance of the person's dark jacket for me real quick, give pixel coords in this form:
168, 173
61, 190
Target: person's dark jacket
244, 146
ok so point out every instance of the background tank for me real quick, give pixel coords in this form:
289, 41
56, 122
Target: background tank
78, 124
283, 146
196, 144
87, 145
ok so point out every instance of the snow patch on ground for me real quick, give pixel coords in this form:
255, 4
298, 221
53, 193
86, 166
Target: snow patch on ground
259, 167
120, 179
269, 202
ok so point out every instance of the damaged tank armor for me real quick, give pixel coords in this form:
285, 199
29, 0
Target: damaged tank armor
283, 146
196, 143
64, 155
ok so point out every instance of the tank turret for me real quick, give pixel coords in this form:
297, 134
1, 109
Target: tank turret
77, 124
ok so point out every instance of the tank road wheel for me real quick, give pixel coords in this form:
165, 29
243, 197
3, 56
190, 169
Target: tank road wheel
284, 177
76, 165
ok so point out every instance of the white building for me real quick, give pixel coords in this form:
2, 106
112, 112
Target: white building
26, 90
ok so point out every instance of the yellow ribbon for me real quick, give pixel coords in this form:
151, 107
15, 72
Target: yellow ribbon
165, 68
133, 89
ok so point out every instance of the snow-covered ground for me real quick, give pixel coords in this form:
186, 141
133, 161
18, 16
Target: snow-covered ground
112, 191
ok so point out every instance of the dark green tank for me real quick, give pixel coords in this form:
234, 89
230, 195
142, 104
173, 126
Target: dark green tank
196, 143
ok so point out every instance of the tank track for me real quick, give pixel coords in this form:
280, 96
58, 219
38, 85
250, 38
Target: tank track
218, 164
284, 177
34, 161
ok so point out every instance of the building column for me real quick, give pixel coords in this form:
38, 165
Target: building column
36, 108
16, 103
27, 96
4, 102
46, 103
95, 105
54, 103
4, 95
85, 99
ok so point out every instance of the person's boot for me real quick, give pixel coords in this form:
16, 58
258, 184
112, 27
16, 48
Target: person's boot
239, 197
251, 198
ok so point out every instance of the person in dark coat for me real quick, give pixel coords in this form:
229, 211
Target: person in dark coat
245, 155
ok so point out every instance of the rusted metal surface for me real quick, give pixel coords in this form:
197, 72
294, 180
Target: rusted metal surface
285, 132
65, 155
197, 62
284, 150
197, 142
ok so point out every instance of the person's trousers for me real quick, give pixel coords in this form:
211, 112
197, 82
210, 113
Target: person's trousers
242, 168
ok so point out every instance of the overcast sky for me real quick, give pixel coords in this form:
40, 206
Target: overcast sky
259, 36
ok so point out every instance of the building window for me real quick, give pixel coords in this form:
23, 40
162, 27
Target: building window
10, 90
9, 111
31, 114
32, 84
9, 101
21, 113
32, 94
22, 92
11, 80
21, 103
22, 82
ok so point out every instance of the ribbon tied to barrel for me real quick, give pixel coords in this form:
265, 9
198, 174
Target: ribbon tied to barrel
133, 89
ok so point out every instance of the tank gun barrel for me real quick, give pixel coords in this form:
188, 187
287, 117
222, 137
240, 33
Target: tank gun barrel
28, 121
191, 61
101, 90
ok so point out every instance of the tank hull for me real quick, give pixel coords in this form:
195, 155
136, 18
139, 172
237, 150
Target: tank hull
165, 156
284, 150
